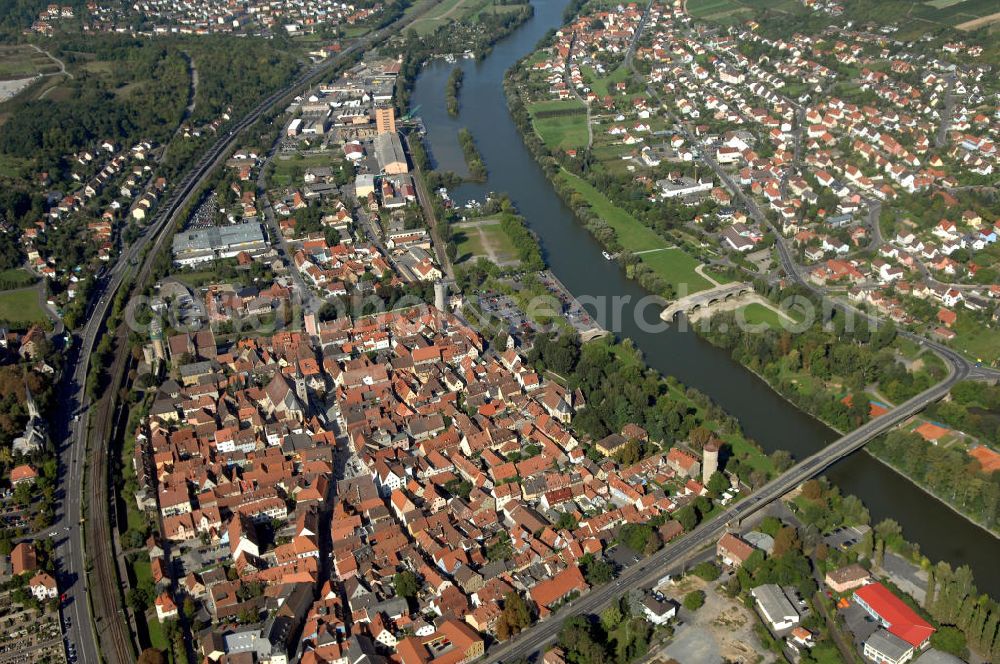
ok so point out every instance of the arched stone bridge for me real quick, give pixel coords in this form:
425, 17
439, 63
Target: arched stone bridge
705, 299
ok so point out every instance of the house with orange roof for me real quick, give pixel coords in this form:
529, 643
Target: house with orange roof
548, 592
733, 550
166, 608
454, 642
23, 473
23, 559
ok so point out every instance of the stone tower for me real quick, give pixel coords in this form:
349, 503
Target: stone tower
709, 461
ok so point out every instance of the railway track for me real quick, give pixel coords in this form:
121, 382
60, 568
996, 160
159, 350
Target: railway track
106, 595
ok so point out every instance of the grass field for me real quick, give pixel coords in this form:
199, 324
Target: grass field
21, 305
671, 263
755, 314
979, 342
601, 85
286, 170
469, 245
561, 131
477, 239
564, 131
156, 637
677, 267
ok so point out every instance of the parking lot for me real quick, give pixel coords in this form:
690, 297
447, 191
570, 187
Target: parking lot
503, 307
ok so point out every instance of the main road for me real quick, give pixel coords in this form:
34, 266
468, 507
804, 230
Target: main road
70, 424
676, 555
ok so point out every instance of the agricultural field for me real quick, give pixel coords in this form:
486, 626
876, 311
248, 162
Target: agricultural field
20, 67
456, 10
961, 14
915, 17
560, 124
24, 62
732, 11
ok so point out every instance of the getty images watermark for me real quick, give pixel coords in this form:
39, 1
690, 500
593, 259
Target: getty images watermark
186, 311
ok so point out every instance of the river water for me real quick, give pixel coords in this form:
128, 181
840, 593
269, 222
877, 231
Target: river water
575, 257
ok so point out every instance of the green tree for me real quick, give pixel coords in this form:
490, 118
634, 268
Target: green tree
694, 600
687, 517
597, 572
611, 617
951, 640
405, 583
706, 570
717, 484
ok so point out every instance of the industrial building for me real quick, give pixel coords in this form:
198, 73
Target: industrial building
390, 155
204, 245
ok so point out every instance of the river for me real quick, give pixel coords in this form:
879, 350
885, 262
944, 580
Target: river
575, 257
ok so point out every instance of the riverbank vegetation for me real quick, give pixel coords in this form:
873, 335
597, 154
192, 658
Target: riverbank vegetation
620, 389
608, 202
473, 160
476, 33
825, 369
947, 472
837, 373
452, 88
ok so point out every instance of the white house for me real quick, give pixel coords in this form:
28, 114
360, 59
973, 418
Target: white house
774, 607
657, 612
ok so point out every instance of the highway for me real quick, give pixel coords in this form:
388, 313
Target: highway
70, 425
672, 558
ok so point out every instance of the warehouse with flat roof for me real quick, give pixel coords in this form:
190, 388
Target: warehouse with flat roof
204, 245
